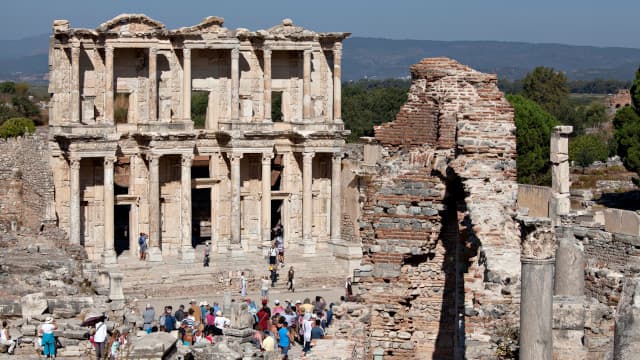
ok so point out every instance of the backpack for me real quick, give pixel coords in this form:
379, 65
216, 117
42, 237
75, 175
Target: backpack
169, 323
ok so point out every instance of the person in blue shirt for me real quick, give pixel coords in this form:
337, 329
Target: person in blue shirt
284, 339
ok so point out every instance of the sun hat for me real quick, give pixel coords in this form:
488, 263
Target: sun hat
48, 320
277, 302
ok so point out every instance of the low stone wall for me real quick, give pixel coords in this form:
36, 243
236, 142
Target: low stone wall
535, 198
622, 222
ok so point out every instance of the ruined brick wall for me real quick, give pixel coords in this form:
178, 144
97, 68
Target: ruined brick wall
441, 250
30, 156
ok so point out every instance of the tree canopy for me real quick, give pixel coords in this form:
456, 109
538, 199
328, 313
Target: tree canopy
533, 134
627, 129
585, 149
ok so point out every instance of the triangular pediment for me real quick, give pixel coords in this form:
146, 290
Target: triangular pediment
131, 23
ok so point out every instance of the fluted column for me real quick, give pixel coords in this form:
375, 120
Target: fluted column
153, 84
306, 85
74, 200
337, 85
266, 199
235, 82
108, 85
236, 221
536, 299
186, 84
186, 248
336, 209
75, 82
307, 202
155, 229
108, 255
267, 84
134, 226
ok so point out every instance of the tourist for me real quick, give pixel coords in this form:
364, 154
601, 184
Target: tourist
348, 289
203, 312
243, 285
100, 338
220, 323
277, 309
306, 307
290, 280
115, 345
264, 289
268, 342
180, 314
206, 254
319, 305
273, 254
317, 332
197, 312
169, 320
210, 321
187, 338
280, 246
5, 338
148, 317
142, 245
330, 314
200, 338
306, 333
274, 275
284, 339
263, 316
190, 319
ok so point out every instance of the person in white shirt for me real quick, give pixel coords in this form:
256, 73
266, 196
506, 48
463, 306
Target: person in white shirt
100, 338
5, 338
220, 323
48, 339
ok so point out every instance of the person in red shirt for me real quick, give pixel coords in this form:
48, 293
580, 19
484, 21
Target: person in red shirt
264, 315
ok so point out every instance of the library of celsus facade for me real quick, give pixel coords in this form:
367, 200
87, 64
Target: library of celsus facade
127, 157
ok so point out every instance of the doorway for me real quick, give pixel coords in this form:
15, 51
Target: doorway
121, 228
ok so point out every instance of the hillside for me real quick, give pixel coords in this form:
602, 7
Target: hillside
382, 58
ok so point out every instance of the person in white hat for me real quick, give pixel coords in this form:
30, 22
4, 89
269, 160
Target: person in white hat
48, 340
220, 323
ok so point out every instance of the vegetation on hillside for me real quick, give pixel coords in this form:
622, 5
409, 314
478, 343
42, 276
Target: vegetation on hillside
17, 101
16, 127
627, 129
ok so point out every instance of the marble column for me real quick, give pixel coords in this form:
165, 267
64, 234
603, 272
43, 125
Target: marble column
214, 164
108, 254
134, 227
306, 85
236, 221
337, 85
153, 84
569, 276
536, 299
155, 227
336, 211
74, 206
75, 82
186, 84
187, 254
560, 204
265, 216
108, 84
307, 203
267, 84
235, 82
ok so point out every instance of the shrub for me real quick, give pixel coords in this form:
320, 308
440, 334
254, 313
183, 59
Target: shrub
16, 127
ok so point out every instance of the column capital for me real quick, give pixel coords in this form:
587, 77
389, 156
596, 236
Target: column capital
266, 51
336, 156
153, 50
187, 160
337, 48
108, 49
152, 158
109, 160
538, 238
235, 53
267, 157
308, 155
74, 162
186, 52
235, 156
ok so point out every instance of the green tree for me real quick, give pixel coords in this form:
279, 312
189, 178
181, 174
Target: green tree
7, 87
7, 112
16, 127
635, 90
25, 107
624, 116
548, 88
585, 149
533, 134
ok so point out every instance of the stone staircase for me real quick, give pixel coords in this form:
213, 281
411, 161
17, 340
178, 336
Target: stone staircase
171, 278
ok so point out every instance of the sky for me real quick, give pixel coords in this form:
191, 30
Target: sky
576, 22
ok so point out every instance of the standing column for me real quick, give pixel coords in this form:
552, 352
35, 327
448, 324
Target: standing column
266, 53
235, 82
560, 204
307, 203
153, 84
266, 199
134, 227
536, 299
108, 84
236, 221
155, 229
108, 255
186, 248
306, 85
74, 206
337, 85
186, 84
336, 211
75, 82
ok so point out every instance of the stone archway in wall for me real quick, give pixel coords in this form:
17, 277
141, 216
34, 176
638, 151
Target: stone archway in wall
439, 237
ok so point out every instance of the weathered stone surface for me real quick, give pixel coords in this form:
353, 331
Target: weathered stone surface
33, 304
155, 345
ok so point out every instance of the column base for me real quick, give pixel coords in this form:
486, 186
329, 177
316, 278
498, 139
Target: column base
154, 254
236, 250
308, 248
187, 255
109, 257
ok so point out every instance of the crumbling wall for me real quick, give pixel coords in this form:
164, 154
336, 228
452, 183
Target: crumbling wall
25, 159
440, 246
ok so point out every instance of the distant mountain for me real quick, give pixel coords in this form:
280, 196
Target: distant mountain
26, 59
383, 58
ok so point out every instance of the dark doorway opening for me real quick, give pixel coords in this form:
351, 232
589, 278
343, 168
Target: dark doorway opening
276, 213
201, 216
121, 228
276, 106
121, 108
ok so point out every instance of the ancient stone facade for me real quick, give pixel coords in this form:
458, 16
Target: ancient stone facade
126, 157
441, 249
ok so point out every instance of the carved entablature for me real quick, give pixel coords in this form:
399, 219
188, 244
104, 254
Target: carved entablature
129, 24
538, 238
211, 25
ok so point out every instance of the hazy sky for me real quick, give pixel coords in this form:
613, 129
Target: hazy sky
581, 22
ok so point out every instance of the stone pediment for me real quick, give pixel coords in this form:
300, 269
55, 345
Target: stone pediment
288, 30
131, 23
211, 25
